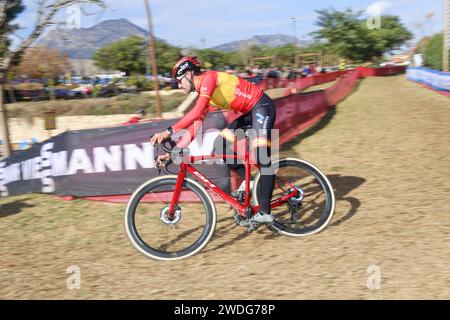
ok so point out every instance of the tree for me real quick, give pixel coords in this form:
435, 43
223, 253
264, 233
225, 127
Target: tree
285, 54
391, 36
42, 63
130, 55
211, 59
8, 12
9, 9
167, 55
234, 60
432, 49
126, 55
347, 34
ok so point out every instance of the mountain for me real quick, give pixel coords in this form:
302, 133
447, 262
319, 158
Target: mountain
275, 40
82, 43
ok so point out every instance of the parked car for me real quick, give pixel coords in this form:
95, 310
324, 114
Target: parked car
58, 93
83, 91
109, 90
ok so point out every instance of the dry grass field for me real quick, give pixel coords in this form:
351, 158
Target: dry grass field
385, 149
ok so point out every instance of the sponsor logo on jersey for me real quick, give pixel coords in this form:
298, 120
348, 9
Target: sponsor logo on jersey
238, 93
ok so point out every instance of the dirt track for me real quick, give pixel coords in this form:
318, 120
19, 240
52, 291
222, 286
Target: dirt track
386, 151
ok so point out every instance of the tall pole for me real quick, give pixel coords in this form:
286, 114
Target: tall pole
153, 58
446, 44
4, 124
294, 34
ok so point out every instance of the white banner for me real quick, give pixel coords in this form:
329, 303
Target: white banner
437, 79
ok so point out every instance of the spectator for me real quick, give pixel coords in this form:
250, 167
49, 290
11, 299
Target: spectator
292, 74
313, 68
139, 116
307, 71
257, 71
273, 73
319, 69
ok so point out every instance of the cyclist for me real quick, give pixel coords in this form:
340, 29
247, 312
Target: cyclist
229, 92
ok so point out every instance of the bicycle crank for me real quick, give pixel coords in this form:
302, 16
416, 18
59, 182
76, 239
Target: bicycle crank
239, 220
251, 226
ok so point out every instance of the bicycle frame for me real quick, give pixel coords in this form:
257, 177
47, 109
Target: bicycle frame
241, 208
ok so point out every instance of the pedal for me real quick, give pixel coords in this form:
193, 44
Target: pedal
253, 226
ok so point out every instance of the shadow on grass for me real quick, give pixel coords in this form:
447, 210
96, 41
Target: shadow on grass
224, 230
342, 185
12, 208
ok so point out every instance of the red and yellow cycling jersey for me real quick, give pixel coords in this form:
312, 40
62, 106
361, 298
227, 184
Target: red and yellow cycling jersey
223, 91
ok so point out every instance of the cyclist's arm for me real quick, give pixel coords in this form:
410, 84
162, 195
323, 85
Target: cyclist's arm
197, 113
192, 130
207, 86
194, 118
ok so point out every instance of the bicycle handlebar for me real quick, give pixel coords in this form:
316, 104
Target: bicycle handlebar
163, 144
167, 149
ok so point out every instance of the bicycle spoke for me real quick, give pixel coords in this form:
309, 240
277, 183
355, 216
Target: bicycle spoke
167, 236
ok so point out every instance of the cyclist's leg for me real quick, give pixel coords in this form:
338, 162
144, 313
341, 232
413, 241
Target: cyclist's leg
224, 143
263, 120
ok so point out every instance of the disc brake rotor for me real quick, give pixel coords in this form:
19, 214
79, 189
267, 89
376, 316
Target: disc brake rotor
166, 219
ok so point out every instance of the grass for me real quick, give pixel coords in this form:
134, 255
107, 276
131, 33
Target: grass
122, 104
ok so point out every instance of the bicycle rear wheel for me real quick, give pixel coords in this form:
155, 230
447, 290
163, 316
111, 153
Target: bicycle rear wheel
158, 236
308, 213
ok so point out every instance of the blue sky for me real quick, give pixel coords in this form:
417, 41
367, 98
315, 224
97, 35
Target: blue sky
186, 23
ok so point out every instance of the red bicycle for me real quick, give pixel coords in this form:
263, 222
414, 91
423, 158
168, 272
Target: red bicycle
173, 216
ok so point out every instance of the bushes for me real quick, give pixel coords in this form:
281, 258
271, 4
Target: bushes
432, 49
142, 83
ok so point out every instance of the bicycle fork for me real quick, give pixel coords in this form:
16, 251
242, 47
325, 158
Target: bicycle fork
177, 191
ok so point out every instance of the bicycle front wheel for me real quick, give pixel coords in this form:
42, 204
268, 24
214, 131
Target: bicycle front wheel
155, 233
308, 213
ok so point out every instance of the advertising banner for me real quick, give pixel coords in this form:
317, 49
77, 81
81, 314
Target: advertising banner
437, 80
105, 161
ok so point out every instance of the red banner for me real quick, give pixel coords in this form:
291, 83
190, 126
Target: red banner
381, 72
